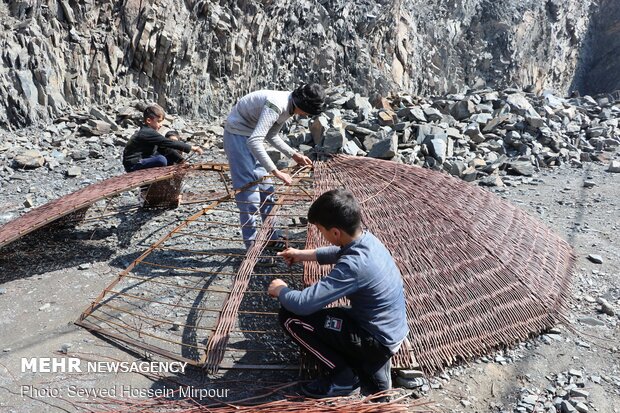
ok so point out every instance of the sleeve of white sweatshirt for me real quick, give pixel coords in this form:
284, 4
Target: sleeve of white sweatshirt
256, 141
277, 142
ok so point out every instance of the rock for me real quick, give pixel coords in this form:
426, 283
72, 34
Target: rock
520, 105
358, 102
614, 166
30, 159
412, 383
579, 393
413, 114
385, 149
317, 129
333, 141
581, 407
28, 202
96, 128
521, 168
84, 266
386, 118
591, 321
606, 307
45, 307
79, 155
589, 184
74, 172
595, 258
463, 109
575, 373
465, 403
351, 148
2, 291
473, 131
433, 115
438, 146
175, 327
64, 348
567, 407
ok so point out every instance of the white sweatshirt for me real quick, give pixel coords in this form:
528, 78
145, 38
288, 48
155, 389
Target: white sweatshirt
260, 116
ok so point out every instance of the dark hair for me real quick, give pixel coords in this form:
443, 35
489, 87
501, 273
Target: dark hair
172, 133
154, 111
336, 209
310, 98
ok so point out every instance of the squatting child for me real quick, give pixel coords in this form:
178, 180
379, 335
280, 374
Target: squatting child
356, 343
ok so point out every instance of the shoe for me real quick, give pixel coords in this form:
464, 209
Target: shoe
265, 262
324, 387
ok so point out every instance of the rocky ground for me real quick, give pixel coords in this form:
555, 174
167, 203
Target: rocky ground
557, 158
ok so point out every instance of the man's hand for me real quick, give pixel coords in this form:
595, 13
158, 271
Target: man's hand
301, 159
284, 177
275, 287
197, 149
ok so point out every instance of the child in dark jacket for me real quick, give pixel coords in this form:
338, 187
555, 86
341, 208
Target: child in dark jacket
145, 147
353, 343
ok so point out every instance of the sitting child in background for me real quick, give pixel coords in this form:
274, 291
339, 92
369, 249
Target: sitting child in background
147, 147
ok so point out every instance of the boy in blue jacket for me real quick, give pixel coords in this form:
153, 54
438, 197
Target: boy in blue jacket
355, 342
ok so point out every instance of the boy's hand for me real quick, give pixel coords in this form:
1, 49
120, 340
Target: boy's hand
301, 159
284, 177
290, 255
197, 149
275, 287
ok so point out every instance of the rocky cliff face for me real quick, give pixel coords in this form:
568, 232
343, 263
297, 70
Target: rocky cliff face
195, 57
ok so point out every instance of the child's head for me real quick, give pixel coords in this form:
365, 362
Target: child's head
154, 116
309, 98
336, 209
172, 134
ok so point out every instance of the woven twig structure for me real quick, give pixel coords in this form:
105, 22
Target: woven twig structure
479, 273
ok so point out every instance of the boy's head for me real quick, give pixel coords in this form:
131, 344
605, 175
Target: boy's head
336, 209
172, 134
154, 116
309, 98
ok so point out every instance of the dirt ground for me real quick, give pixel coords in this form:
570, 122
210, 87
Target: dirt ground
46, 283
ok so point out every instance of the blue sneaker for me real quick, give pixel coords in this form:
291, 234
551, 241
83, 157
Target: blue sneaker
324, 387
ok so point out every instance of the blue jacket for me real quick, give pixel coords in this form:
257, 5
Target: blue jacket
366, 274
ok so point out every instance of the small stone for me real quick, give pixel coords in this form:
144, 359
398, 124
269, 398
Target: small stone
596, 379
575, 373
175, 327
45, 307
84, 266
30, 159
7, 350
74, 172
581, 407
64, 348
2, 291
567, 407
579, 393
595, 258
589, 184
465, 403
28, 202
614, 166
591, 321
606, 307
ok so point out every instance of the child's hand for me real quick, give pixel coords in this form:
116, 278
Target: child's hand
290, 255
275, 287
197, 149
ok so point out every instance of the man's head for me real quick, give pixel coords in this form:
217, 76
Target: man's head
154, 116
309, 98
336, 211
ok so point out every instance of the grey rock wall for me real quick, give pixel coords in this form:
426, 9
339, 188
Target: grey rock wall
196, 57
